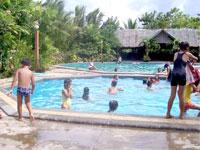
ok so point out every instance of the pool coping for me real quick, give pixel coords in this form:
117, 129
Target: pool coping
9, 105
106, 72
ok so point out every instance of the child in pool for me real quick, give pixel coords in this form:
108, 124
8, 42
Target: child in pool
86, 94
116, 70
115, 78
24, 76
149, 85
159, 70
157, 79
113, 106
66, 94
113, 89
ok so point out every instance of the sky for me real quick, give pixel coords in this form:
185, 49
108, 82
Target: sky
125, 9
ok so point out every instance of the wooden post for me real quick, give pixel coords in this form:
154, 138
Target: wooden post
37, 47
101, 50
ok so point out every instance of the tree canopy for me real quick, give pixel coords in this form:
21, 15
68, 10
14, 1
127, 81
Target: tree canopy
67, 36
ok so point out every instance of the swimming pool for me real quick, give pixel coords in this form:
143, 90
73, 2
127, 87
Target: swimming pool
136, 99
123, 67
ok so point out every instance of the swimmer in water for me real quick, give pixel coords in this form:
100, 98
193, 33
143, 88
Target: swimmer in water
149, 85
113, 89
113, 106
86, 93
115, 78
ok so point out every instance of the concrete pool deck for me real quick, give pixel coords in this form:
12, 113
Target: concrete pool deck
9, 105
107, 132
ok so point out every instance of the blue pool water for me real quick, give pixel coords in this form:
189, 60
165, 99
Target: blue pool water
123, 67
136, 99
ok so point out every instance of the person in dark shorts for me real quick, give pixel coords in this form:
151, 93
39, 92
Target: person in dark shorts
179, 77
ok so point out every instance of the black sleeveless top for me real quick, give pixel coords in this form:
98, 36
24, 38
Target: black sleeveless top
179, 67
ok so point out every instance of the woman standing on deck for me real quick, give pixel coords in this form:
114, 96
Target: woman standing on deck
179, 77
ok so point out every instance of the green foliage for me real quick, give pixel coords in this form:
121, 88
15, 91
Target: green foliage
131, 24
150, 45
172, 19
67, 38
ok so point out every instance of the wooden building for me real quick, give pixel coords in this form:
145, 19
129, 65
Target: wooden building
132, 38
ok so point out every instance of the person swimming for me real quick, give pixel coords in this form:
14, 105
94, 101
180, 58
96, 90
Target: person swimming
149, 85
157, 79
115, 78
113, 106
113, 89
66, 94
116, 70
86, 93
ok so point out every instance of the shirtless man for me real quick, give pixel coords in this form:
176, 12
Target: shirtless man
24, 76
113, 89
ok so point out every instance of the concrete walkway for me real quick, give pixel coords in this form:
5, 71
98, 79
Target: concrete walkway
49, 135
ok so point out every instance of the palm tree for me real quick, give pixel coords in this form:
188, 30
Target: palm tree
79, 19
94, 17
131, 24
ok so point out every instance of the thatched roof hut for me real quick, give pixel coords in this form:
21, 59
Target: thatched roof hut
131, 38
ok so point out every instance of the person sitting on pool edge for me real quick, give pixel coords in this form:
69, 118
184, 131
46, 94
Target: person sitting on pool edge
66, 94
115, 78
91, 65
86, 93
113, 106
113, 89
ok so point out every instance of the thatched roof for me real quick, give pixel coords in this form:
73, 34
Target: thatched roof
131, 38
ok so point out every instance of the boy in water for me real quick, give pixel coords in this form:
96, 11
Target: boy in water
113, 106
24, 76
115, 78
113, 89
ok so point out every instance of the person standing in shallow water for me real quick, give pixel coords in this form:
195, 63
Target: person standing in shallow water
66, 94
179, 78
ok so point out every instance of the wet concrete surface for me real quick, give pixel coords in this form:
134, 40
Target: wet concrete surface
51, 135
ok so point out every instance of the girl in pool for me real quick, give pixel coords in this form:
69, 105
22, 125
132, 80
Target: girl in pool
179, 78
86, 94
113, 105
157, 79
66, 94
